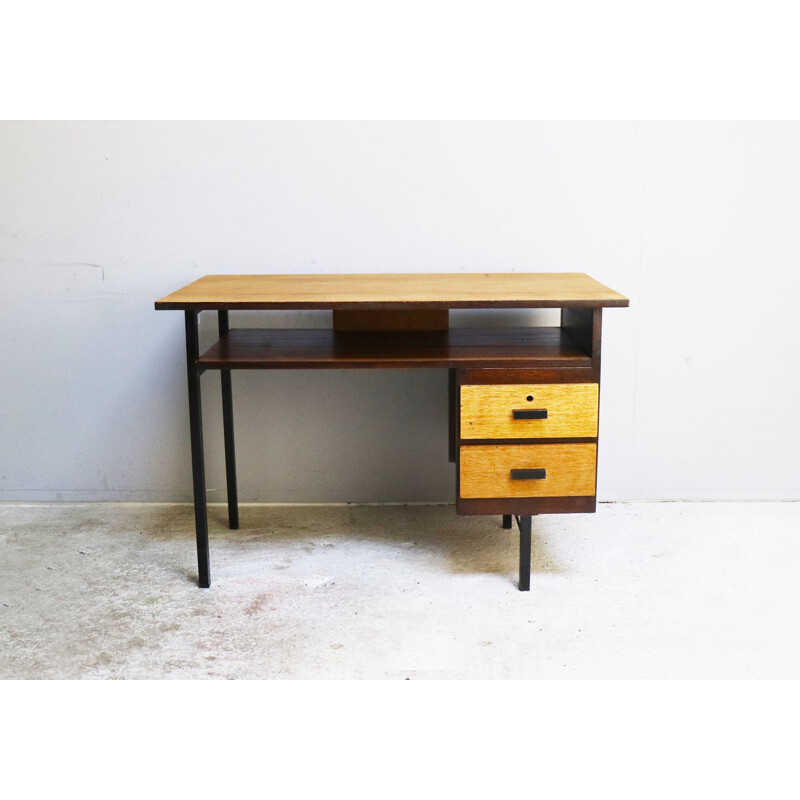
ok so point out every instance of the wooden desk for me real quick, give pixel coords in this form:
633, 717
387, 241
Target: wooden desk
523, 402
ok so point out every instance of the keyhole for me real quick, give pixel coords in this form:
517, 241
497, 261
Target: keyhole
529, 398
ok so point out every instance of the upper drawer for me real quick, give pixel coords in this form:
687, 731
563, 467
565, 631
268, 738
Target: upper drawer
529, 411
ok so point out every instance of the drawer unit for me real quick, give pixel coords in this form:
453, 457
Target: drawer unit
529, 411
527, 470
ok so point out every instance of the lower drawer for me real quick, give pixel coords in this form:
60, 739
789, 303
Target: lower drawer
527, 470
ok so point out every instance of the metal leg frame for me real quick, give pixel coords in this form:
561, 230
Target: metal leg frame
196, 430
227, 425
198, 462
524, 523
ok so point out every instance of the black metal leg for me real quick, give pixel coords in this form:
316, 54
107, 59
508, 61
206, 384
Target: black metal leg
524, 523
227, 426
198, 462
506, 520
452, 414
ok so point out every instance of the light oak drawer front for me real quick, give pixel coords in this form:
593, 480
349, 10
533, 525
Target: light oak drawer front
527, 470
529, 411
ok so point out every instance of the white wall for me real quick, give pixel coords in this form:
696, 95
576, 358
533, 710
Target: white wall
697, 223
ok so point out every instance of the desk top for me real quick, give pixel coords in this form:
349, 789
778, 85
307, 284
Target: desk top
394, 291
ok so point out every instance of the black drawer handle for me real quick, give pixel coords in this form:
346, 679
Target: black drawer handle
528, 474
530, 413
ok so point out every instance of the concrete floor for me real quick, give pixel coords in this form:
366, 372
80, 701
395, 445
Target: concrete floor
659, 590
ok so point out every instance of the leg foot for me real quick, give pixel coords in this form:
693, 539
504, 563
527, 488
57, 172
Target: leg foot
507, 521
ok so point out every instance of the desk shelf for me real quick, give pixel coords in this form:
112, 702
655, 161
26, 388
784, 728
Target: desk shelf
325, 348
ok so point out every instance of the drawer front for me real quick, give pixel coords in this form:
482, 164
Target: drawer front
527, 470
529, 411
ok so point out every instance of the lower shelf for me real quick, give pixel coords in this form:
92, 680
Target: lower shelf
325, 348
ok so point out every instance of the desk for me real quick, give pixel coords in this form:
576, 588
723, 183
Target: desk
523, 402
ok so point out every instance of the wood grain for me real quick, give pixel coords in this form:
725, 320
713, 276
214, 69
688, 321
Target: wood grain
487, 410
298, 348
392, 290
485, 470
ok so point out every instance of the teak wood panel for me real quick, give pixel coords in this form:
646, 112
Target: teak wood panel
387, 290
419, 319
526, 505
487, 411
579, 323
309, 348
485, 470
561, 374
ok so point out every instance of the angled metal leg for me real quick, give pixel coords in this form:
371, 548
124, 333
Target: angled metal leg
506, 520
524, 523
198, 462
227, 426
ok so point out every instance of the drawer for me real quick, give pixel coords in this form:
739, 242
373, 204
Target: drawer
529, 411
538, 470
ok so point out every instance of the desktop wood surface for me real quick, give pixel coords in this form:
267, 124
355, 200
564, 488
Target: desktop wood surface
399, 291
